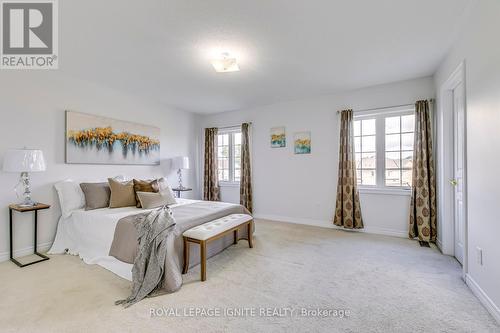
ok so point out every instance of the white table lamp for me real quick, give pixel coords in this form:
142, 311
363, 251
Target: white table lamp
24, 161
179, 163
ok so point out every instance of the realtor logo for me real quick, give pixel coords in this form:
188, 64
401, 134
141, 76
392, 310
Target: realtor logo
29, 34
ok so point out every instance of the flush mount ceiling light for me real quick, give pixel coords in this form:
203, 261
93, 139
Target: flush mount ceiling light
225, 63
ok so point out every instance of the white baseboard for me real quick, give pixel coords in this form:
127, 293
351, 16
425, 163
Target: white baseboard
481, 295
295, 220
439, 245
329, 224
385, 231
44, 247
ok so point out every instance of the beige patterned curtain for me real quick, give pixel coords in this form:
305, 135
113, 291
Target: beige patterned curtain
210, 181
246, 172
347, 210
423, 197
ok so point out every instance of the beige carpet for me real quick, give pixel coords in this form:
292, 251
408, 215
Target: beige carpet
387, 285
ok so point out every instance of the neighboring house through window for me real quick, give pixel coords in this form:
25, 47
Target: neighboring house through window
229, 155
383, 145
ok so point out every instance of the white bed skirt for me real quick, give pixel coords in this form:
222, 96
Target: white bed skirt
89, 234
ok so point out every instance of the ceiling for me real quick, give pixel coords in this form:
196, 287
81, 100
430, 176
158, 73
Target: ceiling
287, 49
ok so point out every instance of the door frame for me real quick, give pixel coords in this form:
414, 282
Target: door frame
445, 153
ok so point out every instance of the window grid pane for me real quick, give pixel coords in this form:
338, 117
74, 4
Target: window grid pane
407, 177
223, 156
365, 151
229, 156
399, 150
236, 157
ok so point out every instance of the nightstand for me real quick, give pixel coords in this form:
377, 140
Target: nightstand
22, 209
179, 190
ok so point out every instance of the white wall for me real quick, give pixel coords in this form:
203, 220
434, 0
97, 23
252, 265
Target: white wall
301, 188
479, 47
32, 105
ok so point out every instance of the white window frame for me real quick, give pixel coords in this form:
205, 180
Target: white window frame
230, 131
379, 115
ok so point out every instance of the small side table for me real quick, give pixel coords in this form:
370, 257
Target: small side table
179, 190
21, 209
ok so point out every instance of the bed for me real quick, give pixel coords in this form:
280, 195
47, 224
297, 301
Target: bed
90, 234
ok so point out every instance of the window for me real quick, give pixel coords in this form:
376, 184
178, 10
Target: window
383, 145
229, 155
399, 150
366, 152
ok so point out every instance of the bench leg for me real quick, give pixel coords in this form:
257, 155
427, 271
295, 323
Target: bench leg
249, 229
186, 256
203, 260
235, 237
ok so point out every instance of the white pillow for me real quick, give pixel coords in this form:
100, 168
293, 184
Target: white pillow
71, 196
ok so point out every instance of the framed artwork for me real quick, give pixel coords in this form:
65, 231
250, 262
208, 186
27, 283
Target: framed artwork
278, 137
94, 139
302, 142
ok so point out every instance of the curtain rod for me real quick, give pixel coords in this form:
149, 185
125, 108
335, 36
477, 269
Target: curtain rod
248, 122
387, 107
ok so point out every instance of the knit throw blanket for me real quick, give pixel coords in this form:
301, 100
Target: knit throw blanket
155, 231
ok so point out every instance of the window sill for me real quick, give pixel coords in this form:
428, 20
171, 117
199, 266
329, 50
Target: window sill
385, 191
229, 184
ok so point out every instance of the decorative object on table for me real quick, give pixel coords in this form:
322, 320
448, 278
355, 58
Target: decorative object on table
179, 163
179, 190
94, 139
302, 142
24, 161
23, 209
278, 137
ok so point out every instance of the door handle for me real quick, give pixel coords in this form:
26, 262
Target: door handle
453, 182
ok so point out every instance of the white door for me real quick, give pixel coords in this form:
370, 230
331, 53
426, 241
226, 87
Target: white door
458, 182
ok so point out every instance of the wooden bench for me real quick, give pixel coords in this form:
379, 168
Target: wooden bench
212, 230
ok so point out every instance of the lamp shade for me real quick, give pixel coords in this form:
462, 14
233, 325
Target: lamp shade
23, 160
180, 162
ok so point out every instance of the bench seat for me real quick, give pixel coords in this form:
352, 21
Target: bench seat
213, 230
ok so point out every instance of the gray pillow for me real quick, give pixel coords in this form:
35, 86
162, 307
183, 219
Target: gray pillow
164, 186
152, 200
96, 195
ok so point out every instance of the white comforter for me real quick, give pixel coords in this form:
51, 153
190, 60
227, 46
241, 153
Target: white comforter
89, 234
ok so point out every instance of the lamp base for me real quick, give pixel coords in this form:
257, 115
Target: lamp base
28, 203
25, 181
179, 175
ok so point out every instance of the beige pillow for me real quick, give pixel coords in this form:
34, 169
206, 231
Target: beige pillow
153, 200
144, 186
122, 194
